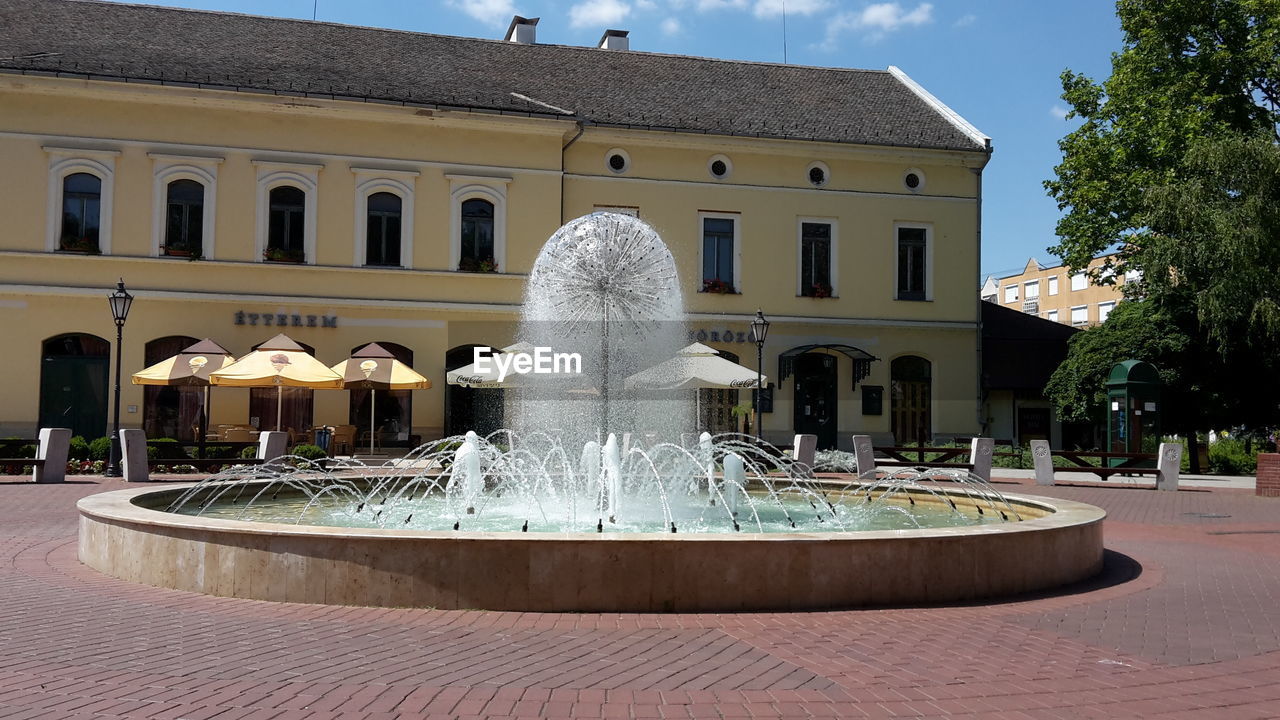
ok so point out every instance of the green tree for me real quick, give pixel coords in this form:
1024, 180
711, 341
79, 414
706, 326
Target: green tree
1176, 161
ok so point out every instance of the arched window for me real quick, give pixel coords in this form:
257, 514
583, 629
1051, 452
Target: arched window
297, 405
81, 210
170, 411
73, 384
465, 408
184, 218
911, 380
476, 241
286, 225
383, 238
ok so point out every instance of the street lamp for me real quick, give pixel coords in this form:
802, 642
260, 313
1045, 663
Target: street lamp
759, 330
120, 301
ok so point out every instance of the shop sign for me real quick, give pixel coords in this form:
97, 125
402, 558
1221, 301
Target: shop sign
286, 319
723, 335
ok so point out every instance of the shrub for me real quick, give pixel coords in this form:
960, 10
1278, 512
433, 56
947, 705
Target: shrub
100, 449
221, 451
78, 449
309, 452
26, 451
1227, 457
249, 452
166, 449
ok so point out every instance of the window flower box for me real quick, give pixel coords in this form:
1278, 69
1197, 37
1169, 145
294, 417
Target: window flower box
289, 255
718, 286
470, 264
85, 245
819, 290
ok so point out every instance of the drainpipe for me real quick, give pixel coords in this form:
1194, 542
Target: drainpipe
977, 174
582, 127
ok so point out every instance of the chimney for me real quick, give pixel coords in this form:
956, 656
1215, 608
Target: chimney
615, 40
523, 30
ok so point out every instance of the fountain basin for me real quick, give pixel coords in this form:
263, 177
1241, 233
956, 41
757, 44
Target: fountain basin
1058, 542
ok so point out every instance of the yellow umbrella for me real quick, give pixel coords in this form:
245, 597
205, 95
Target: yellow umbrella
189, 368
278, 362
374, 368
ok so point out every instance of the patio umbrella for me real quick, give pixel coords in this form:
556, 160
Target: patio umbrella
277, 363
374, 368
469, 376
695, 367
189, 368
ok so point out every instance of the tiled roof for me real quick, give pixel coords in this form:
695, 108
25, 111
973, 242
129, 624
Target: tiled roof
109, 41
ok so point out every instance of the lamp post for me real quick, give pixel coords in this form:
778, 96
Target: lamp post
759, 330
120, 301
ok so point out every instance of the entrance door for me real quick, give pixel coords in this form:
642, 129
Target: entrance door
73, 384
1033, 424
478, 409
394, 408
168, 411
815, 398
912, 387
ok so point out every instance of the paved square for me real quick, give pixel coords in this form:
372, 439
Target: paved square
1182, 624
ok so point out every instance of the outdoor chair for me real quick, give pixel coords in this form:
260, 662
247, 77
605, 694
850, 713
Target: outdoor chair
344, 438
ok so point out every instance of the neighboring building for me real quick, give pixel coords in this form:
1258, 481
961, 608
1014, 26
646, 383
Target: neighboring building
1057, 294
248, 175
1019, 354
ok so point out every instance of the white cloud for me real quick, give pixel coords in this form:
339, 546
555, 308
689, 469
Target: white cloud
492, 12
773, 8
966, 20
671, 27
646, 5
598, 12
887, 17
1058, 111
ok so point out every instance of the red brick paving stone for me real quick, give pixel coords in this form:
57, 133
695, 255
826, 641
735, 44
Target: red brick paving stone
1193, 634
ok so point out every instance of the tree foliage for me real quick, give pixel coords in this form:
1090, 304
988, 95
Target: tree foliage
1177, 161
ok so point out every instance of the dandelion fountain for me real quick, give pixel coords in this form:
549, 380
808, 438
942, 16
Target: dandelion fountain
595, 499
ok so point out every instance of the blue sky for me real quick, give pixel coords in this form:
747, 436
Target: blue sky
996, 62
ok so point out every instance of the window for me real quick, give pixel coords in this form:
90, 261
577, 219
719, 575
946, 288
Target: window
719, 166
1079, 281
816, 260
913, 255
719, 254
1052, 315
1011, 293
184, 218
286, 225
81, 207
1104, 309
286, 221
1053, 285
382, 238
1132, 275
913, 180
618, 161
1080, 315
477, 237
78, 211
818, 173
1032, 289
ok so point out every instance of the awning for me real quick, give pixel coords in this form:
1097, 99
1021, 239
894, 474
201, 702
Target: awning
861, 359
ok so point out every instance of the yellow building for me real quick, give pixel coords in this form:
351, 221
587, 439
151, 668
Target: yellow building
1057, 294
247, 176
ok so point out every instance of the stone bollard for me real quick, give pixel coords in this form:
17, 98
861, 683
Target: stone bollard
1042, 457
864, 457
980, 450
54, 444
804, 449
1168, 464
272, 444
133, 456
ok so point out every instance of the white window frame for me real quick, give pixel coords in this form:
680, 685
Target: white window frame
1081, 279
1052, 315
1083, 308
737, 245
1011, 293
69, 161
467, 187
1053, 285
169, 168
1104, 309
397, 182
1031, 289
835, 252
305, 177
928, 258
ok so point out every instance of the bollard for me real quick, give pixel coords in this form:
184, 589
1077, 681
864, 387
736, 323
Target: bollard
133, 456
272, 444
980, 450
804, 449
864, 457
54, 445
1042, 456
1168, 465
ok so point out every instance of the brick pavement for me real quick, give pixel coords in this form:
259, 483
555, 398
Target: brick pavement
1182, 625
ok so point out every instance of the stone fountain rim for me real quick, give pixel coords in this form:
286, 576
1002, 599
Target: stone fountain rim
121, 506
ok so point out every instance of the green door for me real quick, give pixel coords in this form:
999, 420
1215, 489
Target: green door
73, 384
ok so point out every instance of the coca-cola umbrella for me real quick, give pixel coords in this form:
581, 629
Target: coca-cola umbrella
374, 368
696, 367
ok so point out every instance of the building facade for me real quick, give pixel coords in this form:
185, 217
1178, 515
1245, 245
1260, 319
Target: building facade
350, 185
1057, 294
